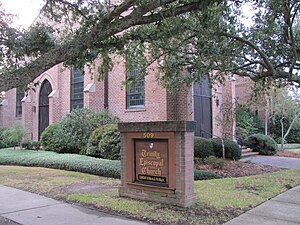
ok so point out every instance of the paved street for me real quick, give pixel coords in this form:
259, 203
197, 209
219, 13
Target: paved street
280, 162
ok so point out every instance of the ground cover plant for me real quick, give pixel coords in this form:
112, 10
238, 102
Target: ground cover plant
73, 162
217, 200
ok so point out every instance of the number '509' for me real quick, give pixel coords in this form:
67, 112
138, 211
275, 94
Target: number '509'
148, 135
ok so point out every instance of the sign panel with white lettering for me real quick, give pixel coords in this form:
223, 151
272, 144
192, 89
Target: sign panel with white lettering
151, 162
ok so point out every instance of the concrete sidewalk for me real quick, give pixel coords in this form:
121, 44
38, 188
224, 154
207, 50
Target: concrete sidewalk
31, 209
284, 209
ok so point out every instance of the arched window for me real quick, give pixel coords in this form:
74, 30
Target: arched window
77, 86
45, 90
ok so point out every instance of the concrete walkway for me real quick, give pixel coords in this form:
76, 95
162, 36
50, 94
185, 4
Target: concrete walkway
26, 208
280, 162
31, 209
284, 209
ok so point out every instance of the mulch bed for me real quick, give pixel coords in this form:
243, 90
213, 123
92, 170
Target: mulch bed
238, 169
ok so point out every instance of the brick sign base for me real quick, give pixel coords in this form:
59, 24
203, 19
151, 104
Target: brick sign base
157, 162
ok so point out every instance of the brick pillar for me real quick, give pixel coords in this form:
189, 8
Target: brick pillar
54, 107
157, 161
27, 117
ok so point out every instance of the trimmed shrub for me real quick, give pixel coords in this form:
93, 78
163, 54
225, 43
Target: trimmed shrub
73, 132
110, 143
232, 149
31, 145
205, 175
104, 142
263, 144
203, 148
47, 136
92, 148
215, 162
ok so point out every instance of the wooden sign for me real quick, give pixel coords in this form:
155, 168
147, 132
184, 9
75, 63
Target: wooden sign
152, 162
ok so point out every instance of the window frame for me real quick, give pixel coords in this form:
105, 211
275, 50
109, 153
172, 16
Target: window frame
135, 90
76, 82
19, 96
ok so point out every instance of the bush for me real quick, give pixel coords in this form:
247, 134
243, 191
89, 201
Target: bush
92, 148
247, 124
31, 145
110, 143
232, 149
104, 142
72, 133
205, 175
215, 162
203, 148
47, 138
12, 137
263, 144
2, 144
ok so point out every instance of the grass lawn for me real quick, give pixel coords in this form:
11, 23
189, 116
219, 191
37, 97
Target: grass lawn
217, 200
297, 150
288, 147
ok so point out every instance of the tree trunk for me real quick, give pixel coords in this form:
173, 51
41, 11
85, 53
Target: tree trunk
223, 148
289, 129
282, 136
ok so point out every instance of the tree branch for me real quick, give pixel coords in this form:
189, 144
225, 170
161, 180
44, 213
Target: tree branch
259, 51
96, 38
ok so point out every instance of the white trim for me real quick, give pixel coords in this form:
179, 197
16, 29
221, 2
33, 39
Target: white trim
90, 88
26, 99
54, 94
4, 102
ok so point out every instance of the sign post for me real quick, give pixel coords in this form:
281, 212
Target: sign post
157, 161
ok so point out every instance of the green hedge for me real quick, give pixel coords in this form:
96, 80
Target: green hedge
72, 162
263, 144
232, 149
203, 148
205, 175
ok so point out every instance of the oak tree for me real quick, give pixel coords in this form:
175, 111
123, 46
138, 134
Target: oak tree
189, 39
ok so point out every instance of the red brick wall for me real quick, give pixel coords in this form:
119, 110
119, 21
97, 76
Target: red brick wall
159, 104
155, 97
8, 109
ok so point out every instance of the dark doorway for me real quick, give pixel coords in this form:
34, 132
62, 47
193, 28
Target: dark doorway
202, 109
46, 89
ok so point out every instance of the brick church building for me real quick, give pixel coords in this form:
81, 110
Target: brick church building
60, 90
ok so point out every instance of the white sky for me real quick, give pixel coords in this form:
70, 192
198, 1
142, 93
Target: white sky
26, 11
